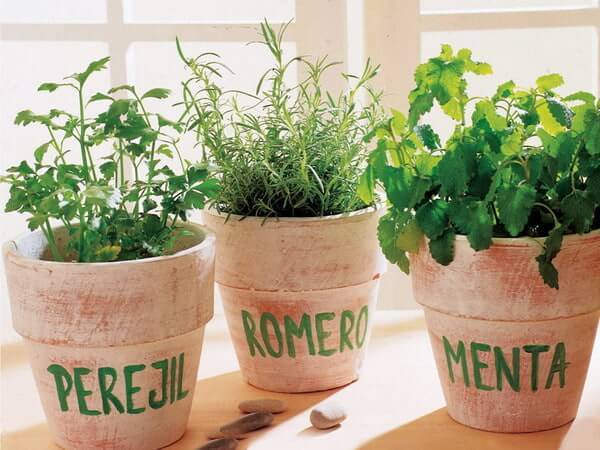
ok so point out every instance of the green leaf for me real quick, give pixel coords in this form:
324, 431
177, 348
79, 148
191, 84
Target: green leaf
403, 189
40, 152
94, 66
550, 81
387, 235
420, 104
547, 119
122, 87
159, 93
473, 219
486, 109
552, 246
514, 206
512, 144
36, 221
108, 253
561, 113
108, 169
409, 237
210, 188
581, 96
98, 96
442, 248
427, 136
453, 175
578, 209
366, 186
148, 205
593, 185
50, 87
481, 226
505, 90
591, 134
453, 109
194, 199
432, 218
478, 68
398, 123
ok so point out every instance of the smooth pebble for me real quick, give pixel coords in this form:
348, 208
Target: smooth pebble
220, 444
247, 423
214, 433
270, 405
327, 415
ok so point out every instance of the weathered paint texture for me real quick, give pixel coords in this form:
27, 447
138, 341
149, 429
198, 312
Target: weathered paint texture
298, 296
114, 347
512, 353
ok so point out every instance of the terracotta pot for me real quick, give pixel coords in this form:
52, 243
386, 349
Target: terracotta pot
114, 347
512, 353
298, 295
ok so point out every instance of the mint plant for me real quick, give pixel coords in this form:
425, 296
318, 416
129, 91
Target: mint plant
523, 162
296, 150
108, 215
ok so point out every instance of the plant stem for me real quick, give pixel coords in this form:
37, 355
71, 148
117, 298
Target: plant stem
52, 241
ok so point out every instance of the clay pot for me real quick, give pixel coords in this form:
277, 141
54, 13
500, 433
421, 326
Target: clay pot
512, 353
299, 295
115, 346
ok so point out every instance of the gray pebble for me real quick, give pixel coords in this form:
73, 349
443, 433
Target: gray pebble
220, 444
327, 415
247, 423
270, 405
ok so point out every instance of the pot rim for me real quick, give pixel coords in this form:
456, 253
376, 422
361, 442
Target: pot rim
10, 250
531, 241
274, 219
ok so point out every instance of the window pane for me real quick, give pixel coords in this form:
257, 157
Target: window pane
522, 55
440, 6
55, 11
208, 11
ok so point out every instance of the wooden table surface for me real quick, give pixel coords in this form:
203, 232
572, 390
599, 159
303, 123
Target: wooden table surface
397, 404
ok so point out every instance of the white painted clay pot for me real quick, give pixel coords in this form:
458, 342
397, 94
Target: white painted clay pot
115, 346
489, 312
299, 295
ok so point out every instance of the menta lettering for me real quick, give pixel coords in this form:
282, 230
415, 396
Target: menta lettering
170, 389
507, 367
269, 337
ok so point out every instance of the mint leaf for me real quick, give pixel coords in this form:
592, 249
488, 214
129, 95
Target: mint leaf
420, 104
442, 248
452, 172
432, 218
561, 112
550, 81
552, 246
593, 185
386, 233
403, 189
514, 206
409, 237
427, 136
578, 209
591, 135
366, 186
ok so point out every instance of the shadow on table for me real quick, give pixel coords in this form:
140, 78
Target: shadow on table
438, 431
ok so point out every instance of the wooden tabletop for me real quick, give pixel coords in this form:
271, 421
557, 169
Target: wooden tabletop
397, 404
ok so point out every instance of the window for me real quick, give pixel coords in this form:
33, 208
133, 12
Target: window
41, 41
